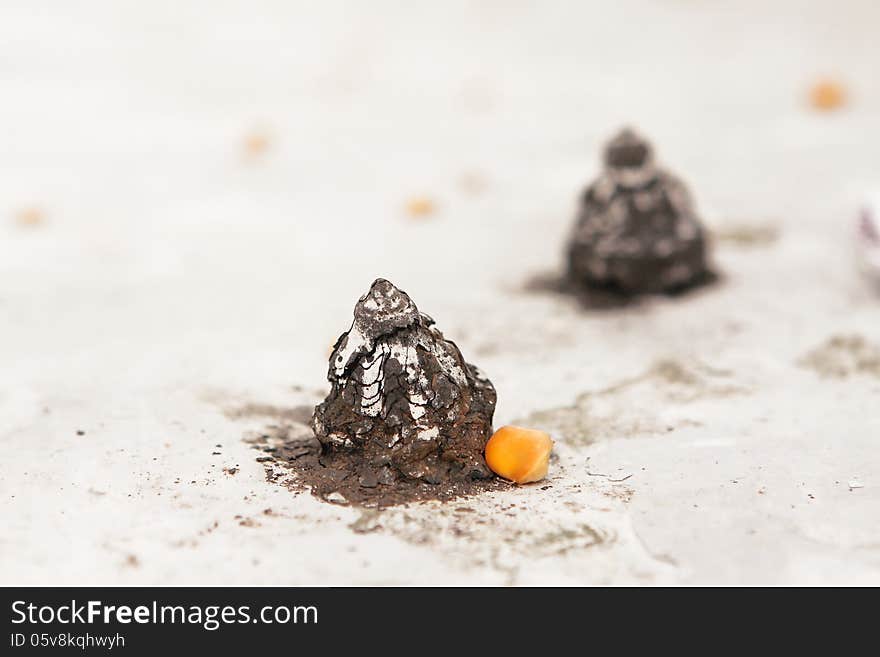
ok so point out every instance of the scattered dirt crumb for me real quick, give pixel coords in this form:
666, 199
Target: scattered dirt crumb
248, 522
132, 561
609, 477
231, 471
563, 540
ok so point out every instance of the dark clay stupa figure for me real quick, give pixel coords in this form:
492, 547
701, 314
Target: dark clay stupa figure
403, 399
636, 230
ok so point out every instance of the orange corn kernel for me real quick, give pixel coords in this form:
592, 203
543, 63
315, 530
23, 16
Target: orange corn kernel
520, 455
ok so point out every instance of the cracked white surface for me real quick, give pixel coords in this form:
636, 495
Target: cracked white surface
173, 280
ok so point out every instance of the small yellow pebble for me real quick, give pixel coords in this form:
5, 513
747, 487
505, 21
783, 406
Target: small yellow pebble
827, 95
520, 455
420, 206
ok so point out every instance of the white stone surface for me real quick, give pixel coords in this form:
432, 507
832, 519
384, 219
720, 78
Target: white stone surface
175, 280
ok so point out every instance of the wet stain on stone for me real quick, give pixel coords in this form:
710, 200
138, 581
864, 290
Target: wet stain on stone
250, 410
842, 356
367, 523
619, 411
565, 540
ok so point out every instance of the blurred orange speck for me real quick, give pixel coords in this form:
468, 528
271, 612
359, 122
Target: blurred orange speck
32, 216
256, 143
420, 206
827, 95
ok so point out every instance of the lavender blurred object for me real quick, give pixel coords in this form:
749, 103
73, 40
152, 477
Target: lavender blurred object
637, 231
868, 240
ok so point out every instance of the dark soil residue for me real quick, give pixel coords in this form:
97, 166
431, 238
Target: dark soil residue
592, 297
292, 456
296, 413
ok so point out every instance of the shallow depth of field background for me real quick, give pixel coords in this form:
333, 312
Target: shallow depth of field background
194, 194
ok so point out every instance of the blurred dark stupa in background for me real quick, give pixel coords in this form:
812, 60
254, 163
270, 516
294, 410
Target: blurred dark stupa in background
636, 230
404, 404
